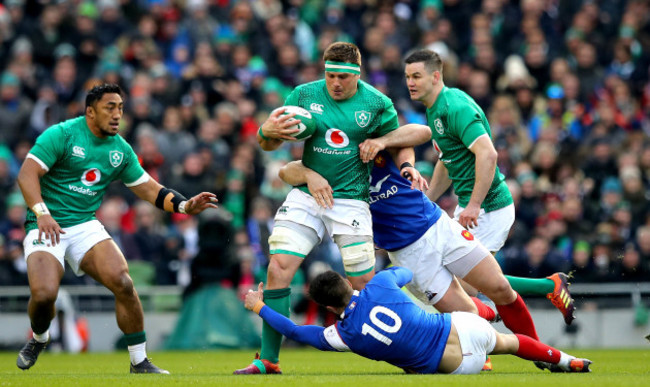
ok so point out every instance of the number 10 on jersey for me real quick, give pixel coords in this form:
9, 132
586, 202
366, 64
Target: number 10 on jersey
397, 324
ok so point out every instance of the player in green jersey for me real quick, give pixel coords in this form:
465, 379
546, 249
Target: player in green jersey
63, 180
354, 121
467, 158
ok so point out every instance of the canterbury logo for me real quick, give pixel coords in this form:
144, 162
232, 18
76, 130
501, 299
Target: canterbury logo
79, 152
316, 108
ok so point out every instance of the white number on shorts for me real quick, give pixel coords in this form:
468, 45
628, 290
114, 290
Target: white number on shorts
367, 329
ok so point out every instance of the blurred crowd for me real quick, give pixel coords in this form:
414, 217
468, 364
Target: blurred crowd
564, 83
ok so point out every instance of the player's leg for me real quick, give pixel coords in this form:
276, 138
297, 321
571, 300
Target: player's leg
349, 223
358, 255
289, 244
493, 229
530, 349
469, 260
102, 260
44, 272
487, 277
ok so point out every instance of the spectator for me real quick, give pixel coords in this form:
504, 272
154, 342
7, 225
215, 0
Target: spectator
15, 110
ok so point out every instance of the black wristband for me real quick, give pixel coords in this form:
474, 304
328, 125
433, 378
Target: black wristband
405, 164
175, 200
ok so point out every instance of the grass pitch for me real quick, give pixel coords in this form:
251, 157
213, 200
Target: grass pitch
306, 367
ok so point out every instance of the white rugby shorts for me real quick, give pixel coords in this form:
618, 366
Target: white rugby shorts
493, 227
347, 217
446, 249
477, 340
74, 245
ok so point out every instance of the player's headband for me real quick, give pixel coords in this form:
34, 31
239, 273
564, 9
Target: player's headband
342, 67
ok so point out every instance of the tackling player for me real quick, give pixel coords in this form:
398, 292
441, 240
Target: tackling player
63, 180
421, 237
382, 323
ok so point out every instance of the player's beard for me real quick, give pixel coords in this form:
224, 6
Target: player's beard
108, 132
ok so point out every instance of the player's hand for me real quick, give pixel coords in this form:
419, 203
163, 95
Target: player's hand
416, 179
320, 190
278, 124
369, 149
468, 218
253, 296
50, 229
200, 202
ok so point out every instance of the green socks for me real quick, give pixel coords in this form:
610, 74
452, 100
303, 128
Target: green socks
278, 300
531, 286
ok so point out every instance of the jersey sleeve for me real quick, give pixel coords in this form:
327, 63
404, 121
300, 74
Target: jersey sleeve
398, 275
132, 174
468, 124
306, 334
49, 147
388, 121
292, 99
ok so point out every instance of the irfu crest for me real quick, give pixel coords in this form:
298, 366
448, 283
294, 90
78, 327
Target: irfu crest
116, 158
363, 118
438, 125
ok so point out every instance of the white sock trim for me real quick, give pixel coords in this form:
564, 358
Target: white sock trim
43, 337
565, 359
138, 353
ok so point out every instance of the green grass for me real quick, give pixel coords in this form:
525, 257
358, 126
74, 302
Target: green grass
310, 367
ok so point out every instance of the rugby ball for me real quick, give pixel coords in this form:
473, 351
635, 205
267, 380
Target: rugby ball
307, 124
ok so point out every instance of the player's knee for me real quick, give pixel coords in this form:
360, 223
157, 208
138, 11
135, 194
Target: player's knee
279, 273
501, 292
292, 239
122, 285
357, 252
44, 294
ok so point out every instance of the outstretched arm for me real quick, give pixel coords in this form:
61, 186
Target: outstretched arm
306, 334
404, 136
295, 173
172, 201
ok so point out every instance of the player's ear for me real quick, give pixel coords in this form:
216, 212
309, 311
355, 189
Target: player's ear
90, 112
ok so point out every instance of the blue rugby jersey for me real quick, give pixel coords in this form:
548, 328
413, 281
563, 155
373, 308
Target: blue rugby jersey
400, 215
380, 323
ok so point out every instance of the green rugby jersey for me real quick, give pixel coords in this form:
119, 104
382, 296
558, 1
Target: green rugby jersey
80, 167
333, 150
456, 121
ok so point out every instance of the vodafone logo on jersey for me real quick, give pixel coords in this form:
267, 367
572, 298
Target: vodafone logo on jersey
336, 138
91, 177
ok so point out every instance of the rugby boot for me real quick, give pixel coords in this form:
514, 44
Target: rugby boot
29, 353
575, 365
561, 297
259, 366
147, 367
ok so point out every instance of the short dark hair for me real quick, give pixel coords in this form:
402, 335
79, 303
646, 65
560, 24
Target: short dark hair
431, 59
342, 52
329, 289
97, 92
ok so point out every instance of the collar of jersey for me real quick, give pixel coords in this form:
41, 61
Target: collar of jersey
352, 304
435, 104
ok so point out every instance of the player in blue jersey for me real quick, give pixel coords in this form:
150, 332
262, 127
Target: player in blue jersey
381, 323
421, 237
